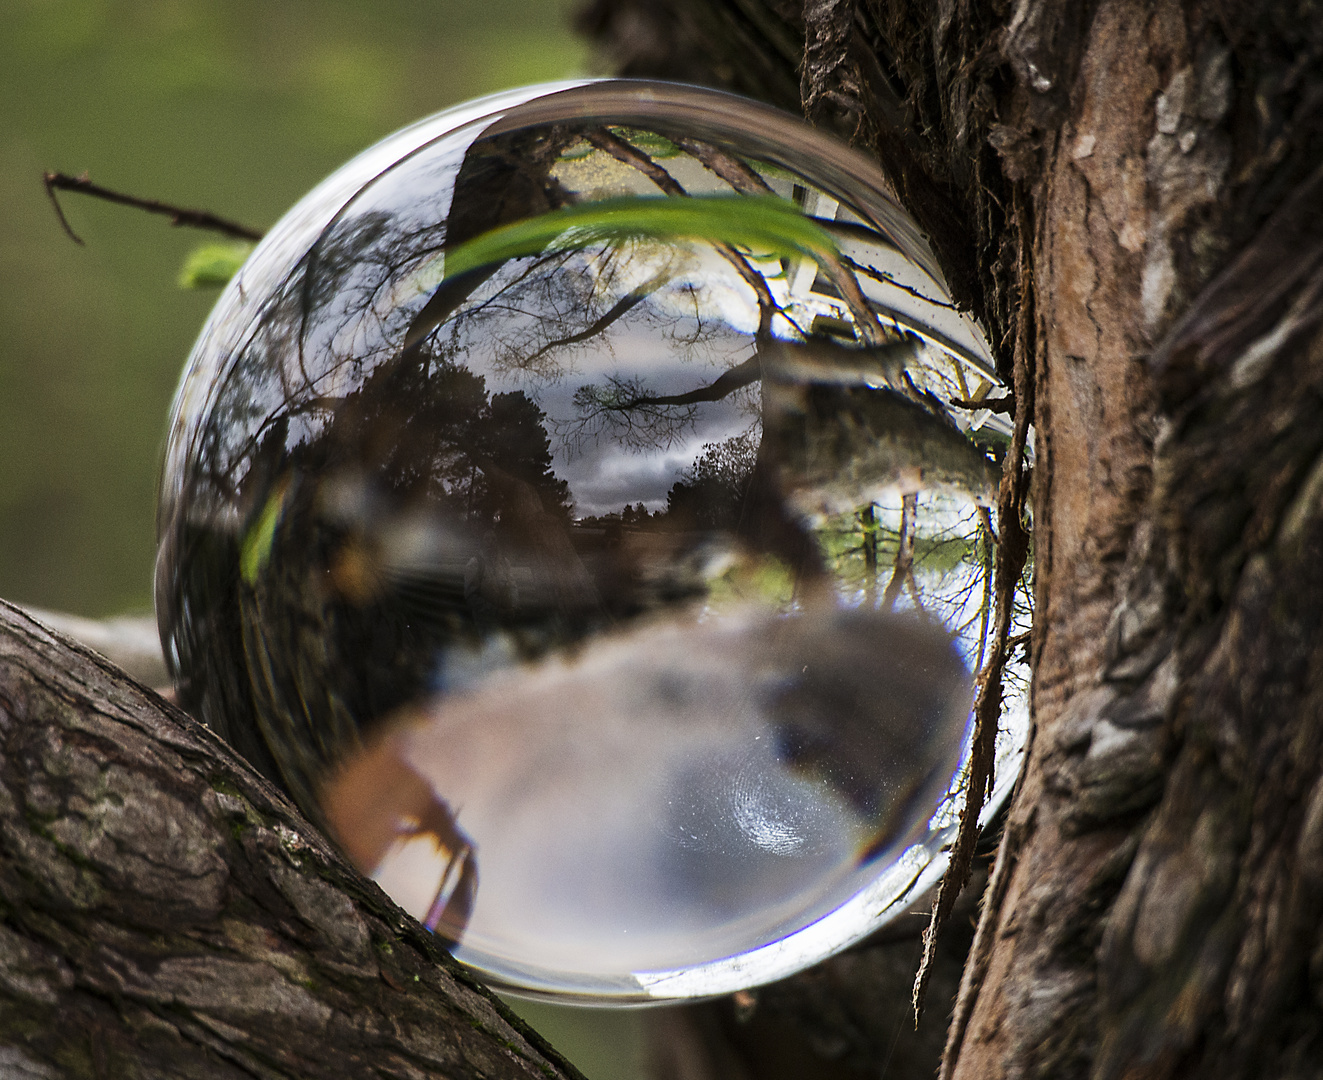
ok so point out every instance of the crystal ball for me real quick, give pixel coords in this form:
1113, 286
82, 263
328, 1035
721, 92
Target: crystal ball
578, 504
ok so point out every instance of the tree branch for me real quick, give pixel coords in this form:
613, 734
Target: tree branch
630, 155
165, 912
178, 215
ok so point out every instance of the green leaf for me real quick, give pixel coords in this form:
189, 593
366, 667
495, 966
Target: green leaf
212, 264
255, 548
764, 225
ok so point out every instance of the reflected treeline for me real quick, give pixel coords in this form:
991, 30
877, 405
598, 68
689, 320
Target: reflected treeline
711, 495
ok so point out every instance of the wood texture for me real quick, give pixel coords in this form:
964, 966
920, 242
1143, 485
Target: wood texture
164, 912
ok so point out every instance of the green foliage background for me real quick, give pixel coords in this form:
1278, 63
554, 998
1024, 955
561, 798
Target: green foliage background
238, 107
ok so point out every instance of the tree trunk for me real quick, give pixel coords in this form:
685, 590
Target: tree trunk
1129, 196
164, 912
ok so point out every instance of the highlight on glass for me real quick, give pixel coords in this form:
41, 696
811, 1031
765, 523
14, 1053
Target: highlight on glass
579, 503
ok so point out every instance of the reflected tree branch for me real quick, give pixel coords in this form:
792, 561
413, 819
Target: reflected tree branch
730, 168
903, 571
747, 182
887, 279
636, 419
1005, 405
869, 523
623, 402
621, 308
637, 159
737, 377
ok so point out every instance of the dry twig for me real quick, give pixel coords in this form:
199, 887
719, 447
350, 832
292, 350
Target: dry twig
178, 215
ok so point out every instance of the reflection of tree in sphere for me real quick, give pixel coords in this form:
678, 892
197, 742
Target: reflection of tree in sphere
567, 504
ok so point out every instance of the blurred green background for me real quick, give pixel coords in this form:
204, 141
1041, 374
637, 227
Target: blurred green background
238, 107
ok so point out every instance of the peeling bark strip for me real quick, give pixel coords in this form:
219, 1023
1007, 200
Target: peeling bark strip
164, 912
1012, 550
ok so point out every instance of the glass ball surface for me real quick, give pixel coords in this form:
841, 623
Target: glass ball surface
578, 504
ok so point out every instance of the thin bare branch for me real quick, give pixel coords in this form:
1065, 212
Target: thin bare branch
904, 565
882, 275
178, 215
636, 158
993, 405
730, 168
623, 402
622, 307
727, 383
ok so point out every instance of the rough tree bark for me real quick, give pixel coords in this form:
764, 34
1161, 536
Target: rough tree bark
1129, 196
165, 912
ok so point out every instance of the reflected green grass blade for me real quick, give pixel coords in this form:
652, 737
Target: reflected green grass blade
255, 548
765, 225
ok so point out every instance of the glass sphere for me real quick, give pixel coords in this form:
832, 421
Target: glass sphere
578, 503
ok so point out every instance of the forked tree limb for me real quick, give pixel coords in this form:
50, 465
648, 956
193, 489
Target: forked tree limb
165, 912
